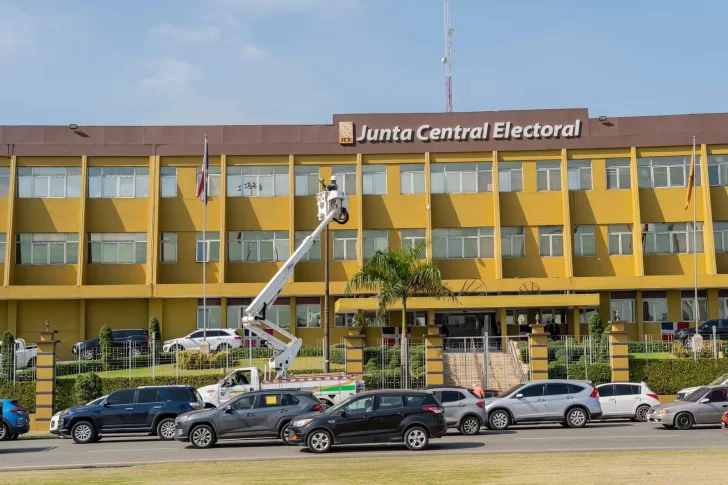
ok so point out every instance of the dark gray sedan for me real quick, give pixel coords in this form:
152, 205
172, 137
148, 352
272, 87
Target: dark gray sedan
260, 414
704, 406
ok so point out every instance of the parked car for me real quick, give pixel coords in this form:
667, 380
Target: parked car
25, 355
569, 402
414, 417
15, 419
705, 330
260, 414
463, 409
141, 410
626, 400
724, 421
132, 343
718, 381
219, 339
704, 406
56, 419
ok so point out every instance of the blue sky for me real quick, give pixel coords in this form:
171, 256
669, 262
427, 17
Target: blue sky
299, 61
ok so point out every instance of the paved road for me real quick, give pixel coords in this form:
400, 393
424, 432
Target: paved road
135, 450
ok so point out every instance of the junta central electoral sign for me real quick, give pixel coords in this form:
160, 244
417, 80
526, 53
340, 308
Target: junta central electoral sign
502, 130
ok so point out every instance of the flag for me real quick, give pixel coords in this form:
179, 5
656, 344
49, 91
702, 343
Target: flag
691, 179
202, 183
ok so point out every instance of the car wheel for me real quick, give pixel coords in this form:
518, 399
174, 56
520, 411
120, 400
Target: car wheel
499, 420
470, 425
416, 438
202, 436
319, 441
4, 433
286, 433
641, 413
683, 421
83, 432
222, 348
176, 348
87, 354
166, 429
135, 352
576, 418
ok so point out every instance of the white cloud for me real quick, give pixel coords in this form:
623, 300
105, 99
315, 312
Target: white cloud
172, 77
287, 5
253, 52
17, 31
188, 33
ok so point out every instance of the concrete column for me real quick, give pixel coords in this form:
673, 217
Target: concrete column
435, 369
619, 352
567, 227
45, 381
639, 266
539, 352
354, 351
497, 249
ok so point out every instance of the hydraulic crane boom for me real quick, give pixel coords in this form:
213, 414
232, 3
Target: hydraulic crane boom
331, 207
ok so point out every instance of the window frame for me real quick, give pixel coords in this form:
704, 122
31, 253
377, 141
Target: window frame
69, 173
337, 236
138, 172
409, 240
118, 239
171, 173
345, 176
717, 170
312, 250
702, 309
651, 165
163, 243
659, 231
550, 237
452, 238
210, 309
552, 169
650, 304
305, 173
579, 239
612, 231
510, 169
620, 301
273, 314
375, 242
579, 167
207, 246
279, 176
408, 176
720, 233
309, 314
619, 167
510, 239
279, 246
4, 182
371, 174
478, 172
70, 256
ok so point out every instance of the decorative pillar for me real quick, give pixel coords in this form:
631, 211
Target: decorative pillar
45, 385
539, 352
355, 351
434, 365
619, 352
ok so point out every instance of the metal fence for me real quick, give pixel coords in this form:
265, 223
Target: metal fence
399, 364
17, 371
491, 361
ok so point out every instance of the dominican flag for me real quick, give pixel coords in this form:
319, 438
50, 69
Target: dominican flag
202, 183
668, 329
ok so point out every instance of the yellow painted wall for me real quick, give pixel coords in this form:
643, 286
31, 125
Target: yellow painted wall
117, 314
115, 274
531, 209
63, 315
668, 205
180, 317
460, 210
48, 215
116, 215
55, 274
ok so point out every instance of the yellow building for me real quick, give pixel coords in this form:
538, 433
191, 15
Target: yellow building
101, 224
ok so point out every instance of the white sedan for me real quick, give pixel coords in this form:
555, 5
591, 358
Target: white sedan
626, 400
219, 339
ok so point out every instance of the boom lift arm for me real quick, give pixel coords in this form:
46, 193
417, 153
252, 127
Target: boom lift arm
331, 207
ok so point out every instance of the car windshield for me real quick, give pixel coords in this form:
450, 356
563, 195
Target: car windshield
719, 380
333, 409
697, 395
512, 390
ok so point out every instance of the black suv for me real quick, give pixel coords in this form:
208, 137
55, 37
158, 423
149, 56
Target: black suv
260, 414
141, 410
127, 343
414, 417
706, 331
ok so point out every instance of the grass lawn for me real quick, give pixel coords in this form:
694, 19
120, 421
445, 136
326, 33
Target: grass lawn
652, 355
301, 363
647, 468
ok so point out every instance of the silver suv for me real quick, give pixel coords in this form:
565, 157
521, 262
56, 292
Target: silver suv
572, 403
463, 409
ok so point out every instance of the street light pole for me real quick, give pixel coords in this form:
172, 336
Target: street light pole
326, 300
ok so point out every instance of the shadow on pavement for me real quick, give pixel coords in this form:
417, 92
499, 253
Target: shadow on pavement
558, 426
398, 446
243, 444
9, 451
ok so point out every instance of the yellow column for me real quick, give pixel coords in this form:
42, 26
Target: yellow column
81, 320
708, 241
153, 222
354, 351
434, 366
428, 208
568, 252
45, 385
539, 352
13, 317
223, 221
503, 327
223, 312
497, 249
619, 352
82, 237
10, 228
360, 219
639, 267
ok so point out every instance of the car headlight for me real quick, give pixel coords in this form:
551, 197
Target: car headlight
65, 411
664, 411
184, 417
299, 423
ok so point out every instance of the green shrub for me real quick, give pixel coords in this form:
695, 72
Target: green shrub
668, 376
523, 351
557, 370
88, 387
24, 392
595, 325
106, 342
8, 351
598, 373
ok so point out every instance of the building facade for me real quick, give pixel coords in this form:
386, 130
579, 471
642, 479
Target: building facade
545, 212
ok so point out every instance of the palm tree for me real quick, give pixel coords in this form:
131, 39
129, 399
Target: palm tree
396, 276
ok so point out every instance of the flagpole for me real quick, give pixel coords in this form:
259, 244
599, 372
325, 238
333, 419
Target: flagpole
695, 251
205, 250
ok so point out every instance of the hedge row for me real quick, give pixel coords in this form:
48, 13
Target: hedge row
24, 392
597, 373
668, 376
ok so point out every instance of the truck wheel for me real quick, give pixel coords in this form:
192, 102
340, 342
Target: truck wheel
166, 429
83, 432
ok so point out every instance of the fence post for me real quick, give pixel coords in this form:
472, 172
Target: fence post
45, 381
619, 352
539, 352
435, 370
354, 351
154, 358
486, 359
715, 345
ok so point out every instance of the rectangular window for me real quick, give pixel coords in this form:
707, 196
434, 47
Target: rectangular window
620, 239
412, 178
49, 182
214, 316
168, 248
306, 180
461, 178
375, 240
722, 307
371, 319
586, 313
510, 177
374, 179
2, 248
261, 181
417, 318
46, 248
718, 170
314, 253
344, 320
654, 309
213, 179
278, 313
4, 182
720, 233
618, 176
551, 240
308, 316
579, 174
622, 310
687, 306
465, 243
168, 181
513, 317
584, 240
414, 237
257, 246
209, 248
553, 315
345, 245
513, 242
662, 172
548, 176
118, 182
345, 178
117, 248
672, 238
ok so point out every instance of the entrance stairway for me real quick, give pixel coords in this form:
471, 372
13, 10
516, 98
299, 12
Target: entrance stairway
467, 369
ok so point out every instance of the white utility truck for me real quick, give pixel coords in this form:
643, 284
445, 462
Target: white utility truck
25, 355
329, 388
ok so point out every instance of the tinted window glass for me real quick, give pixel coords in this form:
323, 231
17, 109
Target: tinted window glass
623, 390
636, 389
196, 334
289, 400
360, 406
489, 394
532, 391
121, 397
245, 402
119, 334
420, 400
148, 395
606, 391
268, 401
557, 389
451, 396
574, 389
718, 395
179, 394
390, 402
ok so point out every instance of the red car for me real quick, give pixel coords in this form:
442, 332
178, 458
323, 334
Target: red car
724, 421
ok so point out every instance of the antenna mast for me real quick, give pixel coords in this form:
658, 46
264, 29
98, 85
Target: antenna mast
449, 34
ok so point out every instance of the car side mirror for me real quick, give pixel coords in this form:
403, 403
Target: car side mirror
106, 404
519, 396
342, 413
227, 409
705, 400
